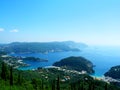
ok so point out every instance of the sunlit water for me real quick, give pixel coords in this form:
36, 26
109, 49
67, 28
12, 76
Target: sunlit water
102, 57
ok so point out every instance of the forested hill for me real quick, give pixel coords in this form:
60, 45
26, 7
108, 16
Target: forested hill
76, 63
39, 47
114, 72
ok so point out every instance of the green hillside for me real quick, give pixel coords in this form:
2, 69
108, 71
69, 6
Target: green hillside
114, 72
76, 63
41, 47
48, 79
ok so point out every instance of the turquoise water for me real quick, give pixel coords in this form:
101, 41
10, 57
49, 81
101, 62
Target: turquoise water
102, 57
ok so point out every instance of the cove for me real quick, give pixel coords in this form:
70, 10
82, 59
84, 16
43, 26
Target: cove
102, 57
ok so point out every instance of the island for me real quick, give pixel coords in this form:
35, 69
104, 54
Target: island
41, 47
113, 75
76, 63
114, 72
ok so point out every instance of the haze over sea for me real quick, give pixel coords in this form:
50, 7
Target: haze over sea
102, 57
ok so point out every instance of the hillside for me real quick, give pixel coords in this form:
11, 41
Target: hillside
76, 63
47, 79
114, 72
39, 47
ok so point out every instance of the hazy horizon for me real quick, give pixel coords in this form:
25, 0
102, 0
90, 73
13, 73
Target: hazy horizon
91, 22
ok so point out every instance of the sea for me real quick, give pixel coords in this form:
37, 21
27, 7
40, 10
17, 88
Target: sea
103, 57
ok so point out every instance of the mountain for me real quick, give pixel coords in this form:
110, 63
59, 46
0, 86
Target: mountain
76, 63
113, 75
41, 47
72, 44
114, 72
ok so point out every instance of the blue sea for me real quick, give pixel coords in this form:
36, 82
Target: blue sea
102, 57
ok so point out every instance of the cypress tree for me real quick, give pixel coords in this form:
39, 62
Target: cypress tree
106, 86
42, 86
72, 86
34, 83
58, 83
79, 85
11, 76
4, 71
19, 79
90, 86
53, 85
82, 86
93, 86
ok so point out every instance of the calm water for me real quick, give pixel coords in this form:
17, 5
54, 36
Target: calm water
102, 57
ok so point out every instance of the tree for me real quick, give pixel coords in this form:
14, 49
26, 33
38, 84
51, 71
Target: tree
42, 86
82, 86
58, 83
4, 71
90, 86
11, 75
34, 83
19, 79
106, 86
53, 85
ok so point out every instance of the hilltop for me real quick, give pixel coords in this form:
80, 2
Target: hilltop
76, 63
41, 47
114, 72
113, 75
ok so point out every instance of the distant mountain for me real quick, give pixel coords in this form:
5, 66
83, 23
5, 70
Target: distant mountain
76, 63
114, 72
41, 47
72, 44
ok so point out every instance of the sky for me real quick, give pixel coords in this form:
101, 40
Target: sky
94, 22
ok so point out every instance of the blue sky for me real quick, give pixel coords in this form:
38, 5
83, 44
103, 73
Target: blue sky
95, 22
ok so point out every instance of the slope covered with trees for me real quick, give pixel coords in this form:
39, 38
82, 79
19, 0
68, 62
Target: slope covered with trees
48, 79
114, 72
37, 47
76, 63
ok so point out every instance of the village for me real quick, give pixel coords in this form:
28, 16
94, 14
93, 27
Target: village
15, 62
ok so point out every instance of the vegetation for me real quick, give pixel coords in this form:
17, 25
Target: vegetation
76, 63
48, 79
16, 62
114, 72
36, 47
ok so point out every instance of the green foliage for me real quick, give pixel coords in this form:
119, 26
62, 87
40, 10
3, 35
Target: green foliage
58, 83
114, 72
11, 76
48, 79
54, 83
36, 47
4, 71
76, 63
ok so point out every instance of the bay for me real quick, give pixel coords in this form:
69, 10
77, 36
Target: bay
102, 57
